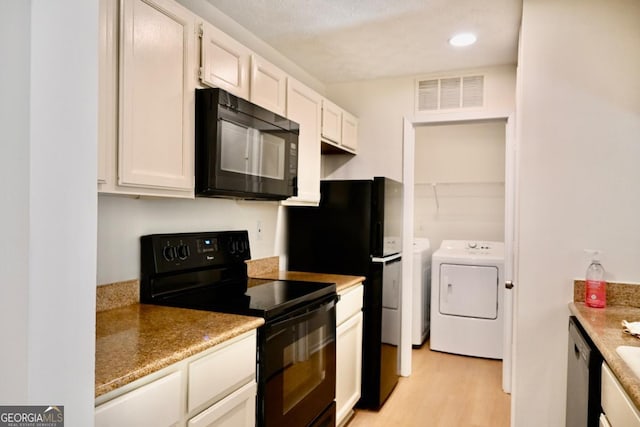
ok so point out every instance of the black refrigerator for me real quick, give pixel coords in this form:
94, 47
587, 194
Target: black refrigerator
357, 230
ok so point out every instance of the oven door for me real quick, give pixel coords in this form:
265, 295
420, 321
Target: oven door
298, 366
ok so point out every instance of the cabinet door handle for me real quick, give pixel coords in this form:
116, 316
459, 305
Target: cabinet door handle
508, 284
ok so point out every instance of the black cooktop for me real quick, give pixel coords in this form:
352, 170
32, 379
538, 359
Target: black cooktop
207, 271
268, 300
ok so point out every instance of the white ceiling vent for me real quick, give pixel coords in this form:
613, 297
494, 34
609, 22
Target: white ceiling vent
450, 93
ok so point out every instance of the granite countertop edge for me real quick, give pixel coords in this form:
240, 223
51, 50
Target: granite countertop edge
605, 330
112, 368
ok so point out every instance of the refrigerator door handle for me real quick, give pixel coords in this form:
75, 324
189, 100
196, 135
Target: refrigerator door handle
387, 259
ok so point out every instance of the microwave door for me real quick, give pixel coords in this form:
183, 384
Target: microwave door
272, 156
234, 147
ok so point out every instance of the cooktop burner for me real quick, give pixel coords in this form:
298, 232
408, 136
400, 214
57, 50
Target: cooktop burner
207, 271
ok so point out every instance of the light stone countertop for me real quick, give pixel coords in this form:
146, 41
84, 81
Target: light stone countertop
268, 268
138, 339
603, 325
342, 281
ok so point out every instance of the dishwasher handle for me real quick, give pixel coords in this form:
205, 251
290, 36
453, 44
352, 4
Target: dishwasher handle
581, 349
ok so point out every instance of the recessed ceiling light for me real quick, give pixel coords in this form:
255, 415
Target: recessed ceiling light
463, 39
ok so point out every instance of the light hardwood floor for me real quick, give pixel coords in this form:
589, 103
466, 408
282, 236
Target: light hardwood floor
444, 390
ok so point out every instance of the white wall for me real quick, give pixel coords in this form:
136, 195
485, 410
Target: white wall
49, 213
381, 105
122, 220
577, 130
15, 39
466, 162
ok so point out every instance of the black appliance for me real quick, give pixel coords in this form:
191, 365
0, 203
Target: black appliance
357, 230
584, 362
243, 150
296, 360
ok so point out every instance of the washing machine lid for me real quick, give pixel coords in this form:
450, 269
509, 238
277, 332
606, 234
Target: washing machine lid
469, 291
471, 250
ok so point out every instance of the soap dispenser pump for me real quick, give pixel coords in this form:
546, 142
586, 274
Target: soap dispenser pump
596, 286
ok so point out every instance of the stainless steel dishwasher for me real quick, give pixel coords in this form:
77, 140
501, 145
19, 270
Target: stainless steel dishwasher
583, 378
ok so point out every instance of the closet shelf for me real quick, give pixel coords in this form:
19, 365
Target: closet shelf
434, 186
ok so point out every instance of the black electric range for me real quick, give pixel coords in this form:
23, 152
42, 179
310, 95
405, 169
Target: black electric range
207, 271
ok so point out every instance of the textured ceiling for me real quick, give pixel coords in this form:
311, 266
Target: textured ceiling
346, 40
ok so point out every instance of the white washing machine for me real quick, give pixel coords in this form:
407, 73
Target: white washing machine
467, 298
420, 310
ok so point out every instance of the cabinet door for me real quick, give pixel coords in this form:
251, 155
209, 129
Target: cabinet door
158, 404
268, 85
107, 91
156, 139
349, 131
616, 404
331, 121
350, 303
348, 366
304, 106
224, 62
236, 410
219, 373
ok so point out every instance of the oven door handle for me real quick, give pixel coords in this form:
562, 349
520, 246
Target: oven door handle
296, 316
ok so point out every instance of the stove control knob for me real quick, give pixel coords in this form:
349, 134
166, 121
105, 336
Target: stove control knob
169, 253
183, 252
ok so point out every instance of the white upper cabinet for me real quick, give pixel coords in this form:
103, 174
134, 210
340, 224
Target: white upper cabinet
149, 66
268, 85
304, 106
339, 130
224, 62
331, 121
107, 91
156, 128
349, 131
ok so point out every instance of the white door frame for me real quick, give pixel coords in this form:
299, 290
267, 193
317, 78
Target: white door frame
409, 124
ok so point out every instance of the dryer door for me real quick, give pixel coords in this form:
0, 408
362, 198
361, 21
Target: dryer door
469, 291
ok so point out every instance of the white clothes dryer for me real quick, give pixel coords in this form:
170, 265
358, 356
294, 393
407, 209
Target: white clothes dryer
467, 298
421, 288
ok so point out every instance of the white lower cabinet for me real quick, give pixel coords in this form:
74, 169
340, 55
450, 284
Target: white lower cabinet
157, 404
619, 410
236, 410
217, 374
348, 352
214, 388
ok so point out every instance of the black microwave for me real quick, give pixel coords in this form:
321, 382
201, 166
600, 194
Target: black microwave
243, 151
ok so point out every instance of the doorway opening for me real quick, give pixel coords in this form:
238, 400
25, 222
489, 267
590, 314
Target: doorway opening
468, 191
